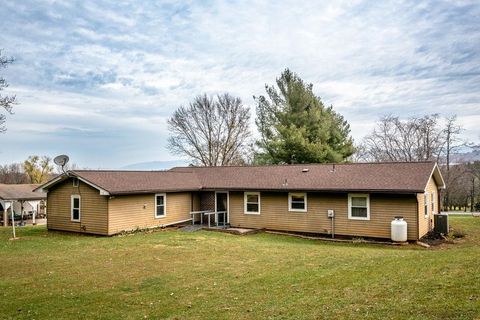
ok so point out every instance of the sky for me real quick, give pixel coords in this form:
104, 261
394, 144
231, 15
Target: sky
97, 80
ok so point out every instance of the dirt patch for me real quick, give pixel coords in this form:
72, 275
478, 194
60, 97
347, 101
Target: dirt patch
435, 239
345, 239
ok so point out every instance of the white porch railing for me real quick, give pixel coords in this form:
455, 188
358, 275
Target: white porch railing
209, 213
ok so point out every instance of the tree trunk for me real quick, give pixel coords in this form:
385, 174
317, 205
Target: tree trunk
472, 198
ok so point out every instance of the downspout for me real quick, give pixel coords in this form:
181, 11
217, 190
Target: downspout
333, 227
418, 220
440, 205
108, 215
191, 206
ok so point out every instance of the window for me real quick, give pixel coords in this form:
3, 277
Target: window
297, 202
160, 203
75, 208
425, 204
359, 206
433, 202
75, 182
252, 202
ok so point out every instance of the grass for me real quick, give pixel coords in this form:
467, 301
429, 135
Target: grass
176, 275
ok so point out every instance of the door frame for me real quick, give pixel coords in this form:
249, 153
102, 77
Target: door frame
228, 203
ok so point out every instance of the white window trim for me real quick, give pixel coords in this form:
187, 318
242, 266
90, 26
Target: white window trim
228, 203
432, 204
245, 194
164, 195
350, 195
425, 204
76, 196
75, 182
290, 194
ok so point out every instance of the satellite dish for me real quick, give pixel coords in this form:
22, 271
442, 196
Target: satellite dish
61, 160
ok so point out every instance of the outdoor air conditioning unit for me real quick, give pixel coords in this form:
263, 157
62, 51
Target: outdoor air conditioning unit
440, 222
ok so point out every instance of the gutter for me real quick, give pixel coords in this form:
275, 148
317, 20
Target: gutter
120, 193
404, 191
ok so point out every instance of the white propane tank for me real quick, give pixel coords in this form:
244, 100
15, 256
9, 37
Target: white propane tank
399, 230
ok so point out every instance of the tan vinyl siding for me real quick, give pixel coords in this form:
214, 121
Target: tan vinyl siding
196, 205
275, 215
93, 208
425, 221
196, 201
130, 212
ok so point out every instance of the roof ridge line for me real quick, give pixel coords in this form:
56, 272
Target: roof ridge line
306, 164
120, 170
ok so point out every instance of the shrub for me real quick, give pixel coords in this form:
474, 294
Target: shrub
477, 206
458, 234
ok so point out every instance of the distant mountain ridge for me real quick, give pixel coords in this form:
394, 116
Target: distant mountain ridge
155, 165
471, 156
460, 157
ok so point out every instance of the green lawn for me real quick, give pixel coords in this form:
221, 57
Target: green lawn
177, 275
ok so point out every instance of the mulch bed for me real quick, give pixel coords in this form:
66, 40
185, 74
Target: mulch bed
434, 238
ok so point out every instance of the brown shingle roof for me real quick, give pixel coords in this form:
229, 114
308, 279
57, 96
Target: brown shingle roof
391, 177
371, 177
20, 192
117, 182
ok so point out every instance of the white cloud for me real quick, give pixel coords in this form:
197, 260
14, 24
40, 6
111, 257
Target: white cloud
107, 76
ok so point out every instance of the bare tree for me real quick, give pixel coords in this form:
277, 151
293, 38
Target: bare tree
430, 138
463, 188
211, 131
13, 174
360, 154
452, 142
414, 139
6, 102
474, 171
459, 188
456, 193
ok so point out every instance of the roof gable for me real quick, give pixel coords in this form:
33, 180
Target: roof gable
437, 176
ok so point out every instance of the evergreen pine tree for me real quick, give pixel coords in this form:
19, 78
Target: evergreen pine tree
296, 127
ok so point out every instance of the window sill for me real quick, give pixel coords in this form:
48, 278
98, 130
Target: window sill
71, 220
358, 218
253, 213
160, 217
297, 210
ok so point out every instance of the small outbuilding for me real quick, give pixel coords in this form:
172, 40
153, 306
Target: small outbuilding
24, 203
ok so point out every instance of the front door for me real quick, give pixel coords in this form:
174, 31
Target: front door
221, 206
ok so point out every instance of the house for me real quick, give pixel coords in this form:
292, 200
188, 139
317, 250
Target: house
21, 198
364, 197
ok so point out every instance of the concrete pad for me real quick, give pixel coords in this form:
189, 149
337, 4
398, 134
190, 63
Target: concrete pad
238, 231
241, 230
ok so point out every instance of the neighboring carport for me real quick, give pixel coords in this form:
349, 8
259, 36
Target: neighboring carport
20, 200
